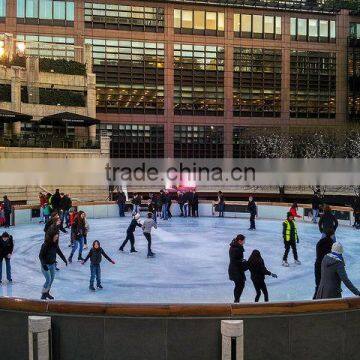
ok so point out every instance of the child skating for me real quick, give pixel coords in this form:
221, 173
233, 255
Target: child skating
149, 223
6, 250
95, 255
130, 233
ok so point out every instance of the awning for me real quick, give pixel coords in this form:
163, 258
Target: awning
70, 119
7, 116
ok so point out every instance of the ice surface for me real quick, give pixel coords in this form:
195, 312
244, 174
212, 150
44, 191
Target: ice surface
190, 265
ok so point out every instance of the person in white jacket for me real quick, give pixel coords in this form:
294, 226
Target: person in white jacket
148, 224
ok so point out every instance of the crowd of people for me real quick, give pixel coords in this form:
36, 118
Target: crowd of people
58, 214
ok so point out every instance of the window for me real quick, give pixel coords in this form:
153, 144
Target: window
313, 30
126, 17
199, 22
134, 141
198, 141
257, 26
2, 8
129, 76
354, 73
257, 82
46, 12
199, 80
312, 85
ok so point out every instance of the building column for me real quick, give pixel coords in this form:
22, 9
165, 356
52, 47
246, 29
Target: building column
32, 75
39, 338
232, 332
342, 29
87, 58
91, 95
285, 70
228, 101
16, 88
92, 132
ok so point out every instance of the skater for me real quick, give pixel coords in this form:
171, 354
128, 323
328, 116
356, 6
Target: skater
169, 203
2, 215
252, 209
121, 200
54, 222
136, 201
195, 204
49, 250
293, 210
55, 200
356, 210
78, 231
258, 271
187, 208
7, 210
323, 247
333, 273
315, 205
328, 222
42, 204
290, 237
95, 255
237, 266
148, 224
221, 204
164, 205
65, 206
180, 200
152, 209
87, 229
6, 250
130, 233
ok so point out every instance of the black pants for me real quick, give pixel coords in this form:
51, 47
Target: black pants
252, 221
195, 210
239, 288
7, 219
317, 277
288, 245
181, 209
148, 238
129, 236
260, 286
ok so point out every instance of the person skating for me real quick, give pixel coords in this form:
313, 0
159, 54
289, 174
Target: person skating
55, 200
258, 271
293, 210
7, 208
136, 201
130, 233
169, 203
95, 255
315, 205
195, 204
78, 231
6, 250
49, 250
180, 200
237, 266
164, 205
54, 221
121, 200
333, 273
152, 209
356, 210
221, 204
42, 204
87, 229
323, 247
65, 206
290, 237
148, 224
252, 209
328, 222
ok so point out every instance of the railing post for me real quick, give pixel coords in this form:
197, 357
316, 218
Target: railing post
232, 332
40, 338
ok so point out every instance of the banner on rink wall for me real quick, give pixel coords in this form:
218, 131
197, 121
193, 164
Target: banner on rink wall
160, 173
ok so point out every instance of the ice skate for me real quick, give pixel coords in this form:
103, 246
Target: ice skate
91, 287
48, 296
285, 264
99, 286
297, 262
151, 255
121, 249
85, 247
133, 251
43, 296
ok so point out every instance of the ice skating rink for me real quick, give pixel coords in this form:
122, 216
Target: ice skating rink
190, 265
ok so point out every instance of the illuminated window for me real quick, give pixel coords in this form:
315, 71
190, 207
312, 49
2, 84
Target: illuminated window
313, 30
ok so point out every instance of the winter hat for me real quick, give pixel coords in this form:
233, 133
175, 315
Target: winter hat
137, 216
337, 248
5, 235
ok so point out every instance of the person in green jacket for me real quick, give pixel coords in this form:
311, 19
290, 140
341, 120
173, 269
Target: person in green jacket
290, 236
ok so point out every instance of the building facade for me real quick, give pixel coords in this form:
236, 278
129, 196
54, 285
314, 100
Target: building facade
190, 78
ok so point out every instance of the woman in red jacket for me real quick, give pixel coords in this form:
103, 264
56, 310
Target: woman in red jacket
293, 211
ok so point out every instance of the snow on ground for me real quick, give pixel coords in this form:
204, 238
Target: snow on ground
190, 265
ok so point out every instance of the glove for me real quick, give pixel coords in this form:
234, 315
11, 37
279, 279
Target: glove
83, 262
45, 268
297, 240
113, 262
274, 276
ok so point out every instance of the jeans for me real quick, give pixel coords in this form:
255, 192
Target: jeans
8, 268
186, 210
129, 236
315, 215
252, 221
288, 245
148, 238
136, 209
95, 273
64, 215
221, 210
49, 277
121, 210
41, 214
154, 216
260, 286
78, 242
164, 212
181, 206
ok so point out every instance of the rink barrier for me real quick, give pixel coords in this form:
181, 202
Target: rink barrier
23, 214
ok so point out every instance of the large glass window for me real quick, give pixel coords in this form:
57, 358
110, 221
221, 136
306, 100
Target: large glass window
313, 85
257, 26
134, 141
198, 141
257, 82
129, 76
2, 8
125, 17
355, 30
313, 30
354, 74
199, 80
199, 22
45, 12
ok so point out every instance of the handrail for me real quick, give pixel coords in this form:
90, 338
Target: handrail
182, 310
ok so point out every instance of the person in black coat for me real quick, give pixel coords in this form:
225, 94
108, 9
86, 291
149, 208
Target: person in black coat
258, 271
49, 250
6, 250
55, 200
356, 210
195, 204
7, 211
65, 206
323, 247
315, 204
221, 204
95, 255
328, 222
121, 200
130, 233
180, 200
237, 266
54, 222
78, 233
252, 209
